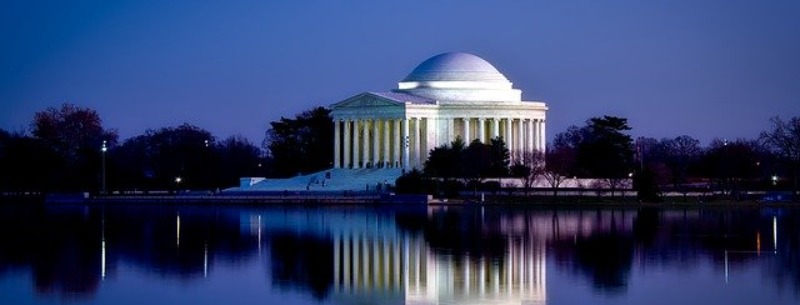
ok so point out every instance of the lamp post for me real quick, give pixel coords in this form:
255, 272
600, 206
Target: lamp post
103, 150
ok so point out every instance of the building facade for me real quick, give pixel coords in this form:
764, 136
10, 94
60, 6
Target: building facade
448, 96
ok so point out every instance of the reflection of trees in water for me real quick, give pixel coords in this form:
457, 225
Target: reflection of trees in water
606, 258
597, 244
461, 232
62, 245
302, 260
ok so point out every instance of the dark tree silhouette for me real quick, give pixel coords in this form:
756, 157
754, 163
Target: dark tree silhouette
302, 144
560, 163
445, 161
731, 164
157, 158
602, 149
783, 138
26, 163
75, 135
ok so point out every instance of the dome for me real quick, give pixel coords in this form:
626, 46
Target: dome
455, 66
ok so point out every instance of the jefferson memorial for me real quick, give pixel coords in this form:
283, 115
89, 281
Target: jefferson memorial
379, 135
448, 96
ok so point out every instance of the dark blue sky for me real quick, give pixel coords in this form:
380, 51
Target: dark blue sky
704, 68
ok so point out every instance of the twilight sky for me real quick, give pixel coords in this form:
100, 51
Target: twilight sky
703, 68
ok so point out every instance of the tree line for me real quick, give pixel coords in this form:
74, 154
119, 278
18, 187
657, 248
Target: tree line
68, 149
63, 151
604, 150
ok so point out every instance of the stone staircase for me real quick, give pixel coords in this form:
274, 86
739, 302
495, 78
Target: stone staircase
369, 179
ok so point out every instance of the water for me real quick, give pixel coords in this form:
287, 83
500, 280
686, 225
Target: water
412, 255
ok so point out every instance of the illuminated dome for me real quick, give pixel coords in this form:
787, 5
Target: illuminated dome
455, 66
460, 78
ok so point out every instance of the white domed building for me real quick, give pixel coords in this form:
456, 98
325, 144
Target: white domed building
448, 96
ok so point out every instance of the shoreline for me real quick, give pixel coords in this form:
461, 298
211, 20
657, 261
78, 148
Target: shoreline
370, 199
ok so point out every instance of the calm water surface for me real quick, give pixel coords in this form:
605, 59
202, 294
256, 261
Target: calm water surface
414, 255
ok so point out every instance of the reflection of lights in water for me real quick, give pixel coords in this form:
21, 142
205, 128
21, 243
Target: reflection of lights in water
758, 243
205, 259
178, 233
103, 259
726, 266
103, 243
775, 234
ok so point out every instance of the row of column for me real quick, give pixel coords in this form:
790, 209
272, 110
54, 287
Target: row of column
404, 142
520, 134
386, 143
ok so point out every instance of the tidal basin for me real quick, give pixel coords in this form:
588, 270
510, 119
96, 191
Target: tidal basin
127, 254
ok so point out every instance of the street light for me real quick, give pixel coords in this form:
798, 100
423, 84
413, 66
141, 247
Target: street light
774, 180
103, 150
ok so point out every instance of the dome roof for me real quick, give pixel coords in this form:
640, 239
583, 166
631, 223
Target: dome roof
455, 66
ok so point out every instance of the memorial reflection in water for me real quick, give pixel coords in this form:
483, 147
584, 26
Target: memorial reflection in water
368, 262
373, 257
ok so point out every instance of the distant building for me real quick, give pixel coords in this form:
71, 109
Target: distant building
448, 96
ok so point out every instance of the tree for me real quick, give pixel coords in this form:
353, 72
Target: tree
158, 158
26, 163
413, 182
302, 144
498, 158
528, 166
602, 149
783, 138
76, 135
71, 130
559, 162
475, 162
683, 152
731, 164
238, 158
445, 161
155, 159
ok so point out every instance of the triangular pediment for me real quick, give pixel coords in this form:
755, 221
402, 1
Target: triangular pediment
366, 99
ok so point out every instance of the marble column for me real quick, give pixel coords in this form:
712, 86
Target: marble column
417, 141
376, 142
542, 135
495, 127
467, 137
336, 145
531, 136
397, 140
507, 138
451, 132
482, 130
356, 146
405, 143
365, 146
346, 147
520, 137
386, 140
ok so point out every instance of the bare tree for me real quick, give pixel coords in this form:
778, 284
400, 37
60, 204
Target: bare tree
784, 139
528, 166
559, 161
